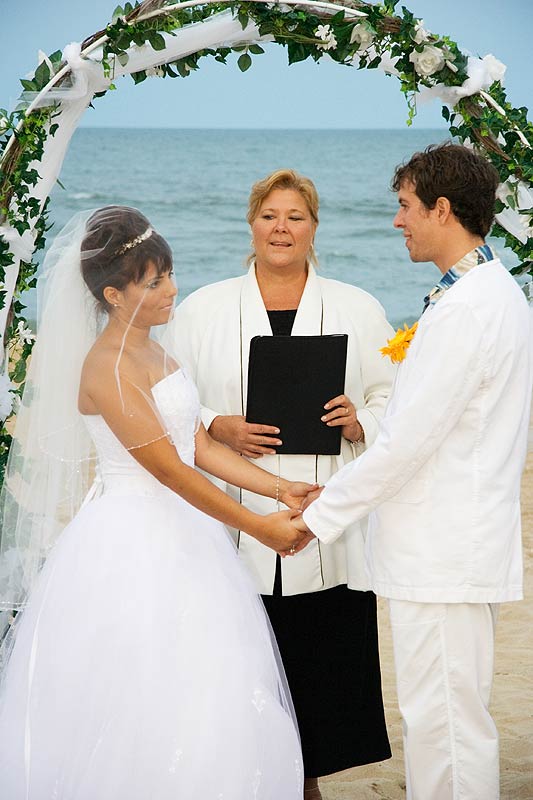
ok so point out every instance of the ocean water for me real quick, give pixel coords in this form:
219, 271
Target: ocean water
194, 184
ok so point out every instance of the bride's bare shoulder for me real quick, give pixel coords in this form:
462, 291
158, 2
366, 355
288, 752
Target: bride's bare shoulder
103, 364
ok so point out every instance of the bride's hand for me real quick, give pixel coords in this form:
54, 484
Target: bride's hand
279, 532
294, 494
305, 533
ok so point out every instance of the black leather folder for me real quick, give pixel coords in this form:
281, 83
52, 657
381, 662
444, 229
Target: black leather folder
290, 378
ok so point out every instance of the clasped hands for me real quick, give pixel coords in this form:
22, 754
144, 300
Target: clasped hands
286, 531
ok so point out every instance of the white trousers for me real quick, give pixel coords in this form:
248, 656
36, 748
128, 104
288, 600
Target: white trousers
444, 654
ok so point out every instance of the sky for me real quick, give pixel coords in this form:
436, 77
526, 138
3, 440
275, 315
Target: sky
271, 94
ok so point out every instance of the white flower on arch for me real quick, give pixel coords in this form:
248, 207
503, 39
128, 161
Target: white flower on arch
155, 72
328, 40
364, 35
7, 397
428, 61
421, 35
25, 335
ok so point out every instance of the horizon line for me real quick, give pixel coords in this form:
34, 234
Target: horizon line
405, 128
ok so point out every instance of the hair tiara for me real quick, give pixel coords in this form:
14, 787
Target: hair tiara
134, 242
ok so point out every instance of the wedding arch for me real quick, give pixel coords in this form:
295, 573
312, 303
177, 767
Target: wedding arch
169, 39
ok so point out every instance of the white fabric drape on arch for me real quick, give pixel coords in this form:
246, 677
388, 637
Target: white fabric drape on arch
87, 80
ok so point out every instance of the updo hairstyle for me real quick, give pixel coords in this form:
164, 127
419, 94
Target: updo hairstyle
105, 259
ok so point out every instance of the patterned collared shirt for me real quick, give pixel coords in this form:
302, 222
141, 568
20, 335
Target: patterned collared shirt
479, 255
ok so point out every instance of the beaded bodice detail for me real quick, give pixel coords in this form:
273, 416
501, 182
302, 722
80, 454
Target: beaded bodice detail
176, 399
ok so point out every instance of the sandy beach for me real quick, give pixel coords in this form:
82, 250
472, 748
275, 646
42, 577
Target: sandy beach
512, 697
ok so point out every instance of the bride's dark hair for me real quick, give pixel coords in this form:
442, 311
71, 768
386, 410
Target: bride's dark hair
111, 254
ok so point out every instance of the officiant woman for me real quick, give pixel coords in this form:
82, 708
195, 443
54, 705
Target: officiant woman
322, 613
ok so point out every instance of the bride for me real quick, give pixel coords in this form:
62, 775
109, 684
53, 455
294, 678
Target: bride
142, 666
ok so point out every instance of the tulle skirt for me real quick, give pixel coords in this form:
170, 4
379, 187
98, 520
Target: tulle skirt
143, 668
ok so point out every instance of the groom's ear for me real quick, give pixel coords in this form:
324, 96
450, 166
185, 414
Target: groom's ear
443, 210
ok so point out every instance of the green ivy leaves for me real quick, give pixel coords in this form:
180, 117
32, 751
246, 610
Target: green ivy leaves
392, 35
244, 62
43, 73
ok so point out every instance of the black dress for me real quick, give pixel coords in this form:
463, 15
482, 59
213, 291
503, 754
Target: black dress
328, 642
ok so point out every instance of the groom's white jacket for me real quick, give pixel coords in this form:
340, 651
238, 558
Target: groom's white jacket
210, 335
444, 472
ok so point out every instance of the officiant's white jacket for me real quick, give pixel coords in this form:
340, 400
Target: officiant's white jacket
210, 335
444, 472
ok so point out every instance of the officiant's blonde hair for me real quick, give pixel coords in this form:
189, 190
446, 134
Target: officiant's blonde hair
283, 179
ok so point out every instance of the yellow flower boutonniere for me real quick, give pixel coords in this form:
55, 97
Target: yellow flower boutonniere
397, 347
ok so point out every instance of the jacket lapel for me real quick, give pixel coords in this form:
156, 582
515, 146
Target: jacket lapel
308, 321
253, 322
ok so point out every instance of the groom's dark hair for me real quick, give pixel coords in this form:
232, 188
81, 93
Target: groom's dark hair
465, 178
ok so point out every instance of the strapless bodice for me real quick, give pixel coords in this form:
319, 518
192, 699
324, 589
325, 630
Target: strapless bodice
176, 399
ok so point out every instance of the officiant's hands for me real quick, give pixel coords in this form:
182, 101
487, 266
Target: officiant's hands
341, 411
247, 438
254, 440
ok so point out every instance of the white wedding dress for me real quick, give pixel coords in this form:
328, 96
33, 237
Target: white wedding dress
143, 666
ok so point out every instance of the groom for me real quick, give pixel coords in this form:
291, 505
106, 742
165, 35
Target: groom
443, 478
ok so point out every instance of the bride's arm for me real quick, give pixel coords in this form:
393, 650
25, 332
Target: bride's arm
132, 416
222, 462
